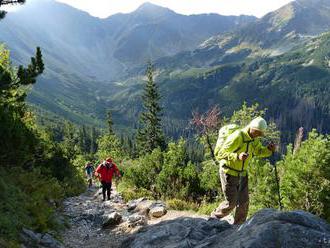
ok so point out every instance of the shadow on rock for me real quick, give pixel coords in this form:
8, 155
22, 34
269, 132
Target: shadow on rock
267, 228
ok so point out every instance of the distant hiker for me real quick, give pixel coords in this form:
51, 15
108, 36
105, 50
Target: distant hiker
89, 170
105, 171
234, 153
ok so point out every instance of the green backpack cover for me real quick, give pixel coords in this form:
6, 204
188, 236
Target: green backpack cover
224, 132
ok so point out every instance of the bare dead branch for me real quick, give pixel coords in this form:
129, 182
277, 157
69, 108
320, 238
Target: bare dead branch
298, 141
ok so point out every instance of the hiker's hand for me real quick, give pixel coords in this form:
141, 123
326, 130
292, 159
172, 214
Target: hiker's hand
271, 147
243, 156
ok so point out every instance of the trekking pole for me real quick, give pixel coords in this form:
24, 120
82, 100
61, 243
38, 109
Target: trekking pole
278, 187
208, 141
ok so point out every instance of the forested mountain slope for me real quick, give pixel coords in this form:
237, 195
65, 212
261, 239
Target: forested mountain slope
83, 52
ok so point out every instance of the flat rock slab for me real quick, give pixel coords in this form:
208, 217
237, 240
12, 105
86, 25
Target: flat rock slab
267, 228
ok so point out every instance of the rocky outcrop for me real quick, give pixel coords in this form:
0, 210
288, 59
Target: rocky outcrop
30, 238
267, 228
138, 224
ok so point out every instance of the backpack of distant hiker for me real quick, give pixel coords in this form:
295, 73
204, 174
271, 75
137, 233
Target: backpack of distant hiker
89, 169
224, 132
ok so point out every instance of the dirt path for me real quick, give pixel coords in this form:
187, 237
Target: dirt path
85, 218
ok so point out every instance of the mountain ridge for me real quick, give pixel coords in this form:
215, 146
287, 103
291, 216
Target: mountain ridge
211, 68
83, 53
275, 33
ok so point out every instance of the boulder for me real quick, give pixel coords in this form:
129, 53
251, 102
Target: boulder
117, 198
157, 211
29, 237
98, 193
112, 219
136, 220
143, 207
131, 205
267, 228
32, 239
48, 241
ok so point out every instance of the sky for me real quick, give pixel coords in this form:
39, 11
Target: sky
105, 8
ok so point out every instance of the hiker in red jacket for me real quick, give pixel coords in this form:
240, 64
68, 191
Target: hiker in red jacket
105, 172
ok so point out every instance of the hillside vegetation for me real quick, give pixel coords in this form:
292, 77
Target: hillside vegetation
59, 111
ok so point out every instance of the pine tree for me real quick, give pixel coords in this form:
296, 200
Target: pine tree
109, 145
93, 146
110, 123
70, 140
6, 2
150, 134
10, 83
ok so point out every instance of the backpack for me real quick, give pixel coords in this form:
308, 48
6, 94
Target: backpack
224, 132
89, 169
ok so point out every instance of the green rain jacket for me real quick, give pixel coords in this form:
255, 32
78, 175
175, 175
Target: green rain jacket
236, 143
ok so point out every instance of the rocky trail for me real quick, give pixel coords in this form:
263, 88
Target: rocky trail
144, 223
94, 223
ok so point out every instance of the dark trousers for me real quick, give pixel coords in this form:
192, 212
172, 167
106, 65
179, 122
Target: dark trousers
106, 187
236, 192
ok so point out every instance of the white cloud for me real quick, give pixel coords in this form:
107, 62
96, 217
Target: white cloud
104, 8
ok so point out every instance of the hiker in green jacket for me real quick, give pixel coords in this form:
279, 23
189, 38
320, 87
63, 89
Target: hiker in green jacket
234, 157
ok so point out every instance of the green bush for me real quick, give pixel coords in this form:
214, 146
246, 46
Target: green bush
36, 173
306, 179
262, 186
207, 208
177, 204
210, 180
144, 172
28, 200
178, 177
130, 192
110, 146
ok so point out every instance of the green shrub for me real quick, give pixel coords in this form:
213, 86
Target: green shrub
207, 208
28, 200
210, 180
178, 177
306, 179
144, 172
262, 186
177, 204
129, 192
110, 146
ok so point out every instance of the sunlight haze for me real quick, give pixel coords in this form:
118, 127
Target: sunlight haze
105, 8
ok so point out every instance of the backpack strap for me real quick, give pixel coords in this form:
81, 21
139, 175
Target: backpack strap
247, 149
244, 141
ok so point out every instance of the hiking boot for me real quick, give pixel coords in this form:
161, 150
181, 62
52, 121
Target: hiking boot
214, 215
